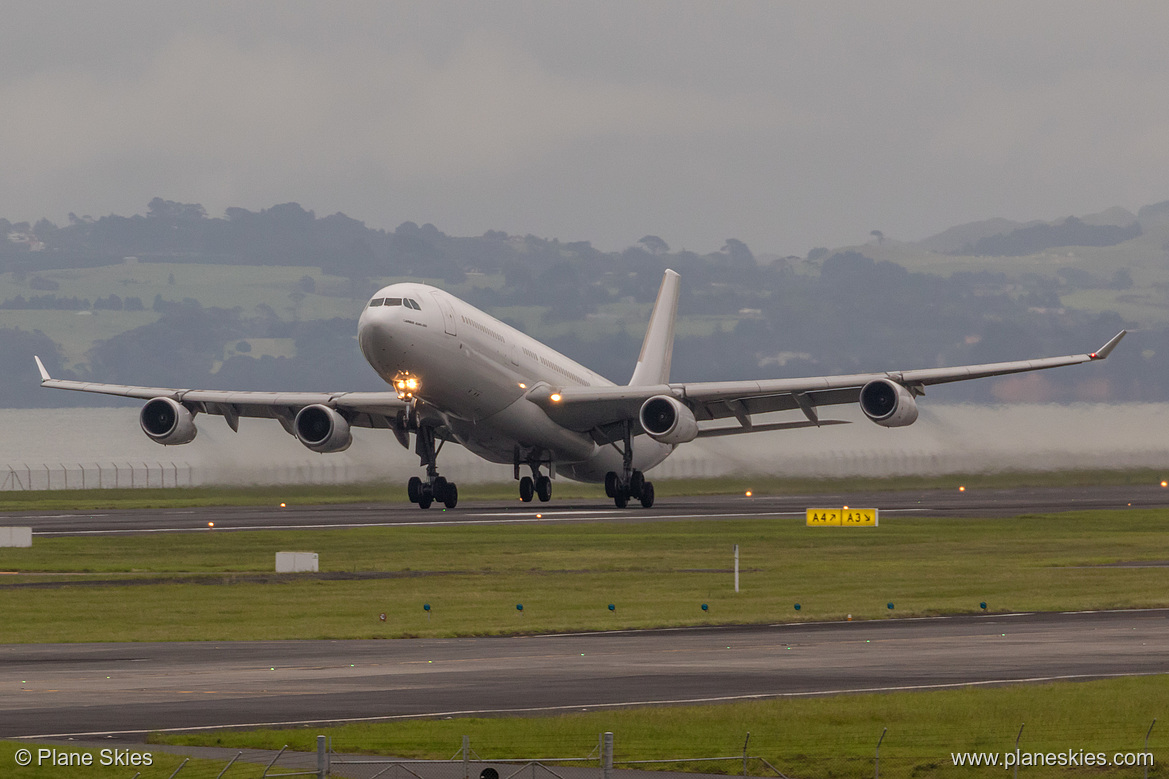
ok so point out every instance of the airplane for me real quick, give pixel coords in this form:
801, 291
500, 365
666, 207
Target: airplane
458, 374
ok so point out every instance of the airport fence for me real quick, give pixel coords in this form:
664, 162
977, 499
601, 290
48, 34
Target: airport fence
604, 761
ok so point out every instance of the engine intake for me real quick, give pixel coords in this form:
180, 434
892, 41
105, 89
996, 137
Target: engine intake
167, 422
668, 420
322, 429
888, 403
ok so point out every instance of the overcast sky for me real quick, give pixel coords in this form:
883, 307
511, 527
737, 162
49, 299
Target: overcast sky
785, 125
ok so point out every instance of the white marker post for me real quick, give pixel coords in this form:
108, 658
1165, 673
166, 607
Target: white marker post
736, 567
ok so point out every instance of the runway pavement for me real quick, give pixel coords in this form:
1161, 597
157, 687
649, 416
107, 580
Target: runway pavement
944, 503
122, 690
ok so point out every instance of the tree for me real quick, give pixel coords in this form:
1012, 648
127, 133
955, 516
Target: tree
654, 245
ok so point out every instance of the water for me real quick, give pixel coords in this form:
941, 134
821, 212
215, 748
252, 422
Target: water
55, 446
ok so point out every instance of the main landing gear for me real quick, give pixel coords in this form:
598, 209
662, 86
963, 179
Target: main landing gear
435, 488
535, 486
635, 487
629, 483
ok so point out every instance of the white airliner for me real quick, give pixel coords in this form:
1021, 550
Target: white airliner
461, 375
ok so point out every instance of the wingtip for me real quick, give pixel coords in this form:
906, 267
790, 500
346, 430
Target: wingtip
1107, 348
41, 367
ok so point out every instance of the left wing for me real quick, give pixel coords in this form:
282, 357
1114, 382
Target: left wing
363, 409
604, 411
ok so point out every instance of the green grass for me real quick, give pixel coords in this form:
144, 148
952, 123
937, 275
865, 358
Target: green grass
822, 737
656, 573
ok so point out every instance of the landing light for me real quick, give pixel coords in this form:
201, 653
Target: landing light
523, 386
554, 397
406, 384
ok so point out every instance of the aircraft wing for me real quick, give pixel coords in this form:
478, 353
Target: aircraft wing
603, 411
367, 409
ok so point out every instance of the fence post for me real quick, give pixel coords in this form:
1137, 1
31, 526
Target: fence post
736, 567
1147, 747
607, 756
1019, 736
877, 759
322, 770
745, 743
466, 757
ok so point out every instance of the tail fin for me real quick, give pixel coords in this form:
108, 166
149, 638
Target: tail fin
653, 364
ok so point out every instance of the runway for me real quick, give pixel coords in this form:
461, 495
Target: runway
934, 503
123, 690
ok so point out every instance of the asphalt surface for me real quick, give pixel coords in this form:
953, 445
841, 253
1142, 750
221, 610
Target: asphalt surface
121, 690
937, 503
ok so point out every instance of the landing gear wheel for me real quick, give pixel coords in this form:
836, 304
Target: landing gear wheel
636, 481
426, 497
621, 499
414, 489
647, 495
527, 489
438, 487
611, 484
544, 488
450, 497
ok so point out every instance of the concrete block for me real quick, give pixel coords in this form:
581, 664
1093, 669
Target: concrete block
15, 536
296, 562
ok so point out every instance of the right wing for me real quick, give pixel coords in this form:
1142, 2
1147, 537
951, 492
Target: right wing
364, 409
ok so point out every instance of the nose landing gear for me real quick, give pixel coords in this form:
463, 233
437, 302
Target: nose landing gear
435, 488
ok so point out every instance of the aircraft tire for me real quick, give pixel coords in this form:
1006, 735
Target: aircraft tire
647, 495
450, 497
414, 489
621, 499
611, 484
426, 498
544, 488
636, 481
527, 489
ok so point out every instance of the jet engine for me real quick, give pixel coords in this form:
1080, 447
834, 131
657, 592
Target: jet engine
167, 422
668, 420
322, 429
888, 403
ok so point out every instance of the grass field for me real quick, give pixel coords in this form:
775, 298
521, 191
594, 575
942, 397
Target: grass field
819, 737
565, 574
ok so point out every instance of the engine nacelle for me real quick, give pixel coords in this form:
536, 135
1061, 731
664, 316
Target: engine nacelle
668, 420
322, 429
167, 422
888, 403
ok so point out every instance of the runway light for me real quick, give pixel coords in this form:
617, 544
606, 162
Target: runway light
539, 516
210, 524
962, 488
282, 505
846, 508
1165, 483
612, 607
748, 493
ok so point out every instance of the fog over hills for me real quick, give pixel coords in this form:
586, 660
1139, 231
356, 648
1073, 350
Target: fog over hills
269, 299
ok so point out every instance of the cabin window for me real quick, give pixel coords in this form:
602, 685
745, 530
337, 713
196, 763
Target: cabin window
376, 302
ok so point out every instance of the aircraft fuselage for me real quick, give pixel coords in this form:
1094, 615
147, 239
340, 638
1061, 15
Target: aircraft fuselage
475, 372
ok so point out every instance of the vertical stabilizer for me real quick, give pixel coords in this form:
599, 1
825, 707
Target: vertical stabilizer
653, 364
